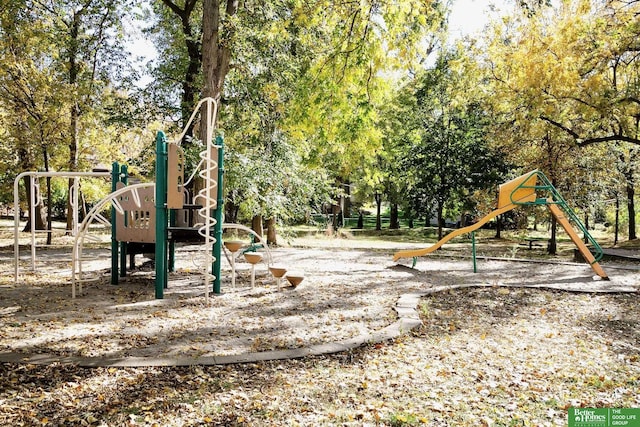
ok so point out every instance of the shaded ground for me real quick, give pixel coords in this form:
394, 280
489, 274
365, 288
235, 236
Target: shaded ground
490, 356
491, 353
347, 291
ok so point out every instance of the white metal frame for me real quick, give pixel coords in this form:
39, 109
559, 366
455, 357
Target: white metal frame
35, 188
96, 215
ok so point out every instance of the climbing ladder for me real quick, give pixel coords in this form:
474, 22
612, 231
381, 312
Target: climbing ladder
562, 212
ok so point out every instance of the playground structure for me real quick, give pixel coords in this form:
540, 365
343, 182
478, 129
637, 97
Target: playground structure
35, 199
153, 217
523, 191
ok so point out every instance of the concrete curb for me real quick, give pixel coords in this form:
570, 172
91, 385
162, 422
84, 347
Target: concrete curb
408, 319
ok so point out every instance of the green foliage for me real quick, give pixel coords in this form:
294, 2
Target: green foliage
442, 151
565, 78
273, 185
62, 71
308, 76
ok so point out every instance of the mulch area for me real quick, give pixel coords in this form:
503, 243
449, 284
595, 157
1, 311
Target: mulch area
491, 351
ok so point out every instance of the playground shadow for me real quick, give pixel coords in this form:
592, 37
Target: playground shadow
345, 294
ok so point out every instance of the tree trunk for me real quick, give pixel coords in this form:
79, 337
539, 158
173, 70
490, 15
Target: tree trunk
346, 200
617, 221
498, 227
378, 197
553, 245
231, 211
190, 78
74, 70
394, 223
272, 236
440, 208
586, 227
631, 209
39, 213
216, 54
256, 225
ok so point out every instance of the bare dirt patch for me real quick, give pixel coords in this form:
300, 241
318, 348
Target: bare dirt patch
492, 350
347, 291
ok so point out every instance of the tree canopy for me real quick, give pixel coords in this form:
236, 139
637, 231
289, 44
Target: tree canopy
370, 95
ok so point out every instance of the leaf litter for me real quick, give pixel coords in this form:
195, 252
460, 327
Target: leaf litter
486, 354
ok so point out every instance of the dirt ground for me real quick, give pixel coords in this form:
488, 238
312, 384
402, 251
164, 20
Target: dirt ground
348, 290
512, 345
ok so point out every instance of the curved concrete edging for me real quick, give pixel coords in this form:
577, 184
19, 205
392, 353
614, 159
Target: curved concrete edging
406, 309
408, 319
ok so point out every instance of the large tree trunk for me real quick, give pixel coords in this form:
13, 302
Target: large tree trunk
394, 223
40, 223
256, 225
189, 84
74, 69
272, 236
27, 164
216, 54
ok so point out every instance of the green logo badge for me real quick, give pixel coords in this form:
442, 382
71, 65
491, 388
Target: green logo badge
604, 417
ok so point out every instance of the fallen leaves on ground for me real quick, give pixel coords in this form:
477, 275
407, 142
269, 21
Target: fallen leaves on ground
514, 356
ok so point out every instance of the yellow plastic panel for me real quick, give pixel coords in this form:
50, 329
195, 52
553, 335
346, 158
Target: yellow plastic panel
510, 193
175, 177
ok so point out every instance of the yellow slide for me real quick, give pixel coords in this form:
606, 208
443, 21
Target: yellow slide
522, 191
420, 252
518, 191
584, 250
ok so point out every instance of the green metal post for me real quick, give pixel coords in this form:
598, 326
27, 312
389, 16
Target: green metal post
161, 214
217, 246
473, 251
115, 172
124, 178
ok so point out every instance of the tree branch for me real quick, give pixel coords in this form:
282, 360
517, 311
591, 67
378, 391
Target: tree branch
582, 141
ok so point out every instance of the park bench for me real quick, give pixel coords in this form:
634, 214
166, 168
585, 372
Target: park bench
532, 241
